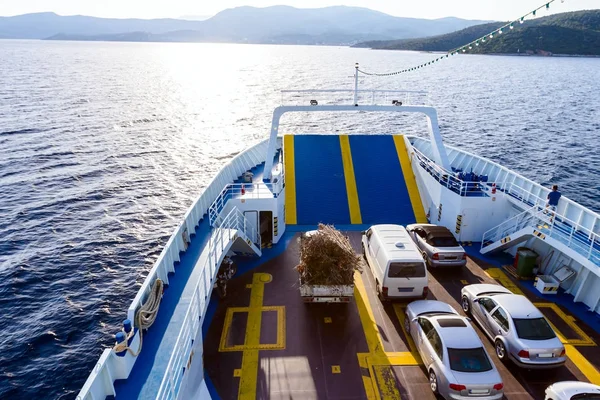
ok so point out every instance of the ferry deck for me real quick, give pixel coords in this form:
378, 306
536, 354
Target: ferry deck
263, 342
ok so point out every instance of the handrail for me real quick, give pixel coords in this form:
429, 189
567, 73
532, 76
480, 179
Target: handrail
257, 190
402, 97
100, 381
232, 226
505, 177
509, 226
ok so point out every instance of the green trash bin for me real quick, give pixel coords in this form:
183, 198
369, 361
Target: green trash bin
525, 261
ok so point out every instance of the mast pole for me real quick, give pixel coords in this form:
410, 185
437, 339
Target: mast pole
356, 85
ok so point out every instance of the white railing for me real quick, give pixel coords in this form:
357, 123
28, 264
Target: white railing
514, 224
450, 179
233, 226
346, 96
258, 190
100, 381
552, 224
530, 192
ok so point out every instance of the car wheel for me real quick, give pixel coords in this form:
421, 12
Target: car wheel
406, 324
500, 350
433, 383
378, 291
466, 306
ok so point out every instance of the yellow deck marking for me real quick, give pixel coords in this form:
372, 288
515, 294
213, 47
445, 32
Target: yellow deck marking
237, 372
366, 375
353, 204
290, 180
583, 340
504, 280
249, 286
400, 314
335, 369
247, 390
586, 368
367, 318
583, 364
327, 320
280, 345
464, 282
409, 179
378, 383
386, 382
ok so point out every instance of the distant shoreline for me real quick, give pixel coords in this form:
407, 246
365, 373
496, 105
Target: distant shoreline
297, 44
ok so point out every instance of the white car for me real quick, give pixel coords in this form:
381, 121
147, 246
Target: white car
456, 362
573, 390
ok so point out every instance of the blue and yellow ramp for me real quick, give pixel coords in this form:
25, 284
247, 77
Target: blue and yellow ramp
358, 179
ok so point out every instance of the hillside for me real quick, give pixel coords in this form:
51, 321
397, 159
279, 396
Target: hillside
576, 33
276, 24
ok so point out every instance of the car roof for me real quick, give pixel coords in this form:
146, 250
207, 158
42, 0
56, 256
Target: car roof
456, 337
436, 231
518, 306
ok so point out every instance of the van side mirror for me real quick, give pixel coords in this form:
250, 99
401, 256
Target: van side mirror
363, 232
475, 300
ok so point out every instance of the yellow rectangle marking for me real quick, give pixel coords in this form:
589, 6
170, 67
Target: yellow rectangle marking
290, 180
280, 345
464, 282
327, 320
583, 364
237, 372
249, 286
353, 204
583, 340
586, 368
409, 179
335, 369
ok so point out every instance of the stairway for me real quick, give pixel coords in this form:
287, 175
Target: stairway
553, 228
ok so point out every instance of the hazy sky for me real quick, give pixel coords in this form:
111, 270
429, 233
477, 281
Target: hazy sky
471, 9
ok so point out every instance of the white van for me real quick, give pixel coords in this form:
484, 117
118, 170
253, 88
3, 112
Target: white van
395, 261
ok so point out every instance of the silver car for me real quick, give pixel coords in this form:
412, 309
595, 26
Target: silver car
438, 245
453, 355
572, 390
518, 329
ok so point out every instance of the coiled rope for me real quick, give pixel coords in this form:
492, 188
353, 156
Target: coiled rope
144, 318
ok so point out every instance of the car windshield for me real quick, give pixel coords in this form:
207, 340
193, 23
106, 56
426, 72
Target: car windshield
406, 270
534, 329
469, 360
586, 396
443, 242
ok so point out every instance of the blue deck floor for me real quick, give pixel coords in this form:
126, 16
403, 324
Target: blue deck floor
157, 341
320, 184
382, 192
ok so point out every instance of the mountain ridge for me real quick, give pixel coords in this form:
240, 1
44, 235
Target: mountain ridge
571, 33
246, 24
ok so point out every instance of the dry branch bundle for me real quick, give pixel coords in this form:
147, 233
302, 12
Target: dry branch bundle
327, 258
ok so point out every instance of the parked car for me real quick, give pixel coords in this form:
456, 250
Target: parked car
454, 357
438, 245
573, 390
395, 261
518, 329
